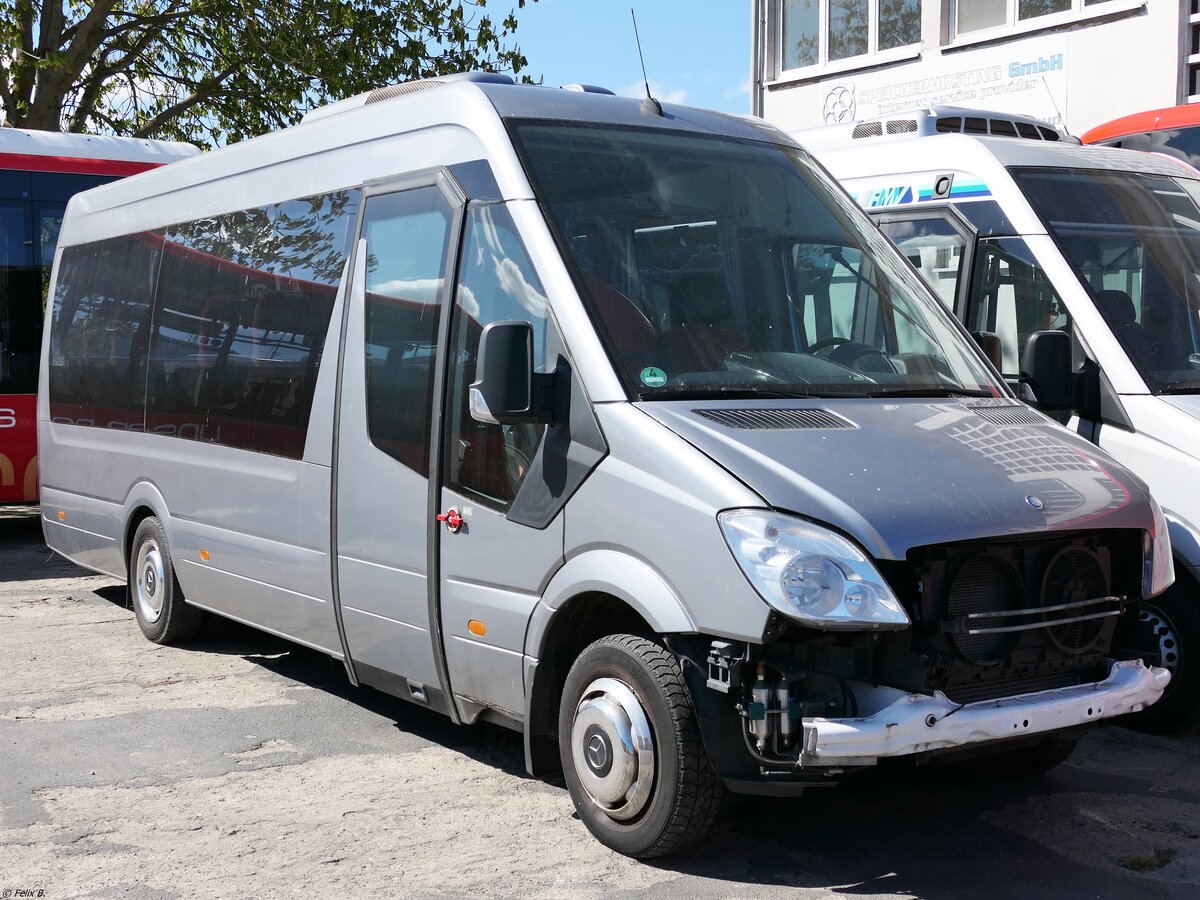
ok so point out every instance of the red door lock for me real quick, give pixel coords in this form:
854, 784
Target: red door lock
453, 519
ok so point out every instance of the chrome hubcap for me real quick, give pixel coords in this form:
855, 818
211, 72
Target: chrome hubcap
613, 749
148, 581
1165, 636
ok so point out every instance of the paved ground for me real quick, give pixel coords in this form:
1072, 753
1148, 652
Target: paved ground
242, 766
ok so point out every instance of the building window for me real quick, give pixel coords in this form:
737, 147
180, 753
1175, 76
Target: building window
976, 15
813, 32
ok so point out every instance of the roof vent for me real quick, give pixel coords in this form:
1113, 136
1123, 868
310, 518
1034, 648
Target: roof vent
397, 90
866, 130
901, 126
775, 419
588, 89
405, 87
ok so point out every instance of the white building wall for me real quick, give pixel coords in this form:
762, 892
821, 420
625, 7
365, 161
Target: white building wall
1081, 76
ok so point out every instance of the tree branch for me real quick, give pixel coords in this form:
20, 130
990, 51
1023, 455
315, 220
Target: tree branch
203, 91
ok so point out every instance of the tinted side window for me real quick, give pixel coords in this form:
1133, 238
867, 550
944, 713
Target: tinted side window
244, 302
407, 235
100, 331
1011, 296
496, 284
935, 248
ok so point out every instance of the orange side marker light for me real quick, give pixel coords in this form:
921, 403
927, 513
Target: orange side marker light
204, 554
476, 627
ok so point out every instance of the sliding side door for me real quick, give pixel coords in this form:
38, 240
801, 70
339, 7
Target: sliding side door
402, 273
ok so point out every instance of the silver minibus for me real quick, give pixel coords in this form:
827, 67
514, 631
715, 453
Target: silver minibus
615, 423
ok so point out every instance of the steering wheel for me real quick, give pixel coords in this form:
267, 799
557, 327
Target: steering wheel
851, 352
834, 341
516, 465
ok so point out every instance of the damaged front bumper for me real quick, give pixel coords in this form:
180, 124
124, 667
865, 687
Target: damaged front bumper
917, 723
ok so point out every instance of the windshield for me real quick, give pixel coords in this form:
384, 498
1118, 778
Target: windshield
1134, 241
720, 267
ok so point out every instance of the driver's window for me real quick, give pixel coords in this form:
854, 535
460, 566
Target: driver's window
1012, 297
496, 284
935, 248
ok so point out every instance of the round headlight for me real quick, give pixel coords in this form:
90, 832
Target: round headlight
814, 583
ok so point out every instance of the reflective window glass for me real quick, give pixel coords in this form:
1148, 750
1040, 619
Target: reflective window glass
100, 331
801, 33
1031, 9
496, 284
975, 15
935, 248
849, 25
1012, 297
407, 235
244, 302
899, 23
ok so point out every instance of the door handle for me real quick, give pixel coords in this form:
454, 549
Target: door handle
453, 519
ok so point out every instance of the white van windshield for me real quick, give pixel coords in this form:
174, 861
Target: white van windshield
721, 267
1134, 241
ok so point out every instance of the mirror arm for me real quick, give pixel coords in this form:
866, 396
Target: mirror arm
545, 398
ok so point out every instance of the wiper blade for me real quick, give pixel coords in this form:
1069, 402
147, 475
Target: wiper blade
1182, 387
725, 394
930, 392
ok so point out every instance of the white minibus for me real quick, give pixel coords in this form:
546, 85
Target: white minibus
1091, 254
612, 422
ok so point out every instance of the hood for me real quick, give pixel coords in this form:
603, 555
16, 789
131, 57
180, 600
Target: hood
898, 474
1188, 403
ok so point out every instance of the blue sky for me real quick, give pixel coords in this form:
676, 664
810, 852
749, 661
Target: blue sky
697, 51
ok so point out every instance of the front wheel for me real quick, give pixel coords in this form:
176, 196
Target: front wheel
1169, 626
158, 602
632, 753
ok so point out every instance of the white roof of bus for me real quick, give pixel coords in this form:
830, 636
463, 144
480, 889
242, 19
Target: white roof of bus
980, 155
364, 141
92, 146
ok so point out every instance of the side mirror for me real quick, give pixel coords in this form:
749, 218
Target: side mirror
1046, 368
989, 343
506, 390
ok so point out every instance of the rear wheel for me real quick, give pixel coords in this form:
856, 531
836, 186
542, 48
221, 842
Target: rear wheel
1169, 626
157, 599
631, 749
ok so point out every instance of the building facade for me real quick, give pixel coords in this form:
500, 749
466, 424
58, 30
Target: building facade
1075, 63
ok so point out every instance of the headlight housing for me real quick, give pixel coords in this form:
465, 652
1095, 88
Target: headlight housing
1158, 568
810, 574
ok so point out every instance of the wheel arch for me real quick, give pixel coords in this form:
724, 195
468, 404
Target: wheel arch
596, 593
143, 501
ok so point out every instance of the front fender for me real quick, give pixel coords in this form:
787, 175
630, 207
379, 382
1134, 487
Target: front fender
1185, 540
625, 577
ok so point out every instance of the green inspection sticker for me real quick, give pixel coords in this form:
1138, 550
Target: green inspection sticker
653, 377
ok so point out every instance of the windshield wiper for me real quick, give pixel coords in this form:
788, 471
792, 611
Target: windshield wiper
932, 391
1182, 387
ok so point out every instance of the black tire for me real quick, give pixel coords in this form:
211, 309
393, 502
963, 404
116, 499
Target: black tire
158, 602
1170, 625
684, 793
1024, 763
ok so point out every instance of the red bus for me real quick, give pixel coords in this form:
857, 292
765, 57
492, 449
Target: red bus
1174, 131
39, 172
